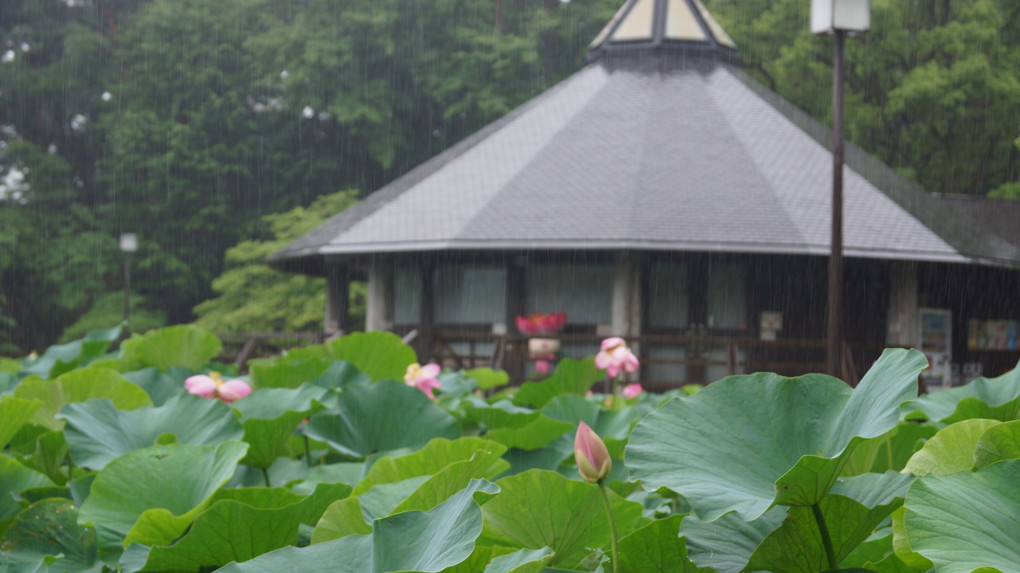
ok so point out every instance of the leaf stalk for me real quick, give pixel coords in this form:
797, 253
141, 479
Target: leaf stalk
612, 526
830, 553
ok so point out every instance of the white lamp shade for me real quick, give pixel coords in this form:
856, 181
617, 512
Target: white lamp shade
128, 242
848, 15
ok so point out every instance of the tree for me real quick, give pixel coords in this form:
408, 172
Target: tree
252, 297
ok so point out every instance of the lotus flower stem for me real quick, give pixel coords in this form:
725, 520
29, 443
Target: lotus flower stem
830, 553
265, 475
612, 526
308, 452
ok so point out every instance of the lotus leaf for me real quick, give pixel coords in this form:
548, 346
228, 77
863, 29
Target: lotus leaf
380, 417
967, 521
748, 442
97, 432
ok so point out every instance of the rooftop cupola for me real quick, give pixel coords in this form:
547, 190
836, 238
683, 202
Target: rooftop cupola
647, 27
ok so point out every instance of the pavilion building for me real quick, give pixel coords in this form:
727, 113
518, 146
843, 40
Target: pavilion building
662, 195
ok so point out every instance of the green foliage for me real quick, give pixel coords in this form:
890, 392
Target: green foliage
252, 297
108, 309
932, 88
397, 482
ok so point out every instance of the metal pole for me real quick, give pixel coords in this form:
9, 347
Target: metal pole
835, 318
127, 290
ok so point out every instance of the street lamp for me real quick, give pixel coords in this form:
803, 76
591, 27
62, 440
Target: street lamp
128, 245
837, 17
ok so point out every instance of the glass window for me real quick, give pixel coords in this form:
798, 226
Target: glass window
406, 294
727, 296
668, 295
583, 291
661, 364
638, 23
680, 22
473, 294
714, 372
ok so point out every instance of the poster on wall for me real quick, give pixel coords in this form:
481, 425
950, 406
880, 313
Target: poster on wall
991, 334
936, 341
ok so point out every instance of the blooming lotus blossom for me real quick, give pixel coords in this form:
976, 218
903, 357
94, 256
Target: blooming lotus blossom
539, 323
214, 386
591, 455
632, 390
615, 356
423, 377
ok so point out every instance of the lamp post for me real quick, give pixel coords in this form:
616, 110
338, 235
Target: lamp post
128, 245
837, 17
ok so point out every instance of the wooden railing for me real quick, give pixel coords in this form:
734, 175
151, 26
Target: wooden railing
739, 355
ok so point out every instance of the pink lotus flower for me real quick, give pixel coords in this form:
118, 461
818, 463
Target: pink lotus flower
632, 391
539, 323
615, 356
214, 386
423, 377
591, 455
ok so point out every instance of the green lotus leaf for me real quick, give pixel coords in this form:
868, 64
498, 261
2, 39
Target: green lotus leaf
49, 456
992, 398
522, 561
379, 417
61, 358
412, 541
967, 521
608, 424
747, 442
47, 533
242, 524
381, 355
500, 414
727, 543
487, 378
182, 345
436, 455
269, 417
901, 544
342, 518
14, 479
657, 547
890, 451
151, 495
453, 478
951, 449
15, 412
161, 386
341, 373
538, 434
570, 377
550, 457
849, 523
288, 373
1001, 442
97, 432
79, 386
537, 509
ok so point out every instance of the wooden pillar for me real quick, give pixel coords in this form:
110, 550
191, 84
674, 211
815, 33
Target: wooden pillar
901, 324
338, 280
379, 306
626, 317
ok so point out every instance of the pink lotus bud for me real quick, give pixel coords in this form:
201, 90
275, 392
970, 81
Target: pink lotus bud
592, 457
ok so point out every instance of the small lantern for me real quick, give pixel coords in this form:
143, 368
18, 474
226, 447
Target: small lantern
128, 242
848, 15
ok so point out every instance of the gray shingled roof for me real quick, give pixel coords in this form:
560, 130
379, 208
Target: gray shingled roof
651, 153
